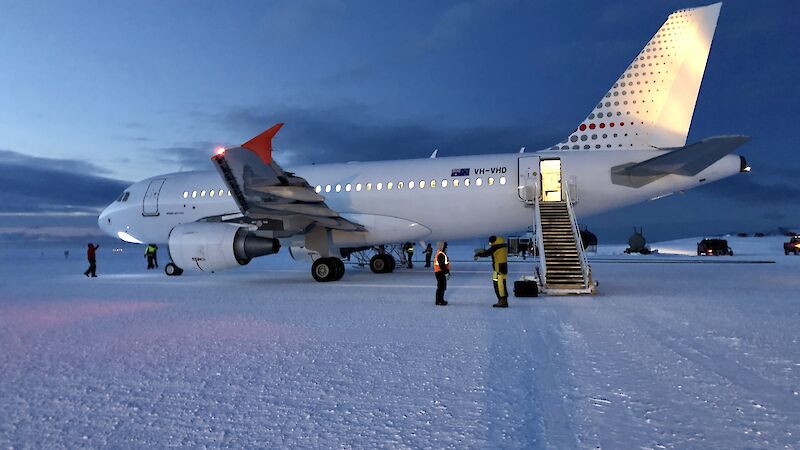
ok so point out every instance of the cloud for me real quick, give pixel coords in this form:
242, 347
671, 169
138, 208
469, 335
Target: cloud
45, 185
355, 132
193, 156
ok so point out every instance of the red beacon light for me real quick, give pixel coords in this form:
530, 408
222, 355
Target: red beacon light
219, 151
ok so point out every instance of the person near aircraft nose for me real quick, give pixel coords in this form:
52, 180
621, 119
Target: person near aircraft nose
428, 254
91, 256
441, 268
499, 253
150, 253
409, 248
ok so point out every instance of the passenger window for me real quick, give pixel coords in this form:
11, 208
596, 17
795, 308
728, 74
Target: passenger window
194, 194
379, 186
327, 188
185, 194
348, 187
369, 186
433, 183
389, 186
338, 188
221, 192
358, 187
466, 182
229, 193
318, 189
490, 181
502, 180
422, 184
212, 192
455, 182
444, 183
399, 185
478, 181
203, 193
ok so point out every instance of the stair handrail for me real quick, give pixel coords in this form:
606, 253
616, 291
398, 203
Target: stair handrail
537, 217
577, 235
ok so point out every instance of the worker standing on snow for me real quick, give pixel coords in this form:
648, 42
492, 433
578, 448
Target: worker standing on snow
499, 253
150, 254
91, 251
441, 268
409, 253
428, 254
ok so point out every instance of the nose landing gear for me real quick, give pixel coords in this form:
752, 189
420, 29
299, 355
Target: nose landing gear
172, 270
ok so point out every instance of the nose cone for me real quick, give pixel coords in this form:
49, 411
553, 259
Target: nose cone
104, 223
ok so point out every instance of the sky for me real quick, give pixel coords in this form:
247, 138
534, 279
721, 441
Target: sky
96, 95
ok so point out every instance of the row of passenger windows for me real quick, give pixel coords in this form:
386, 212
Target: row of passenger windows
203, 193
421, 184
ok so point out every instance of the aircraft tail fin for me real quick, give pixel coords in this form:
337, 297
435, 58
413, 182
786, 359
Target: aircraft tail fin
652, 103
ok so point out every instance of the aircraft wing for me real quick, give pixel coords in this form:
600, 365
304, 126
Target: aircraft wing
265, 192
688, 161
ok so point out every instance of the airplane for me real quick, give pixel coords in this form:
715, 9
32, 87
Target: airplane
630, 148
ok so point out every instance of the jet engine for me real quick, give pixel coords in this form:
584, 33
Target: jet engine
209, 247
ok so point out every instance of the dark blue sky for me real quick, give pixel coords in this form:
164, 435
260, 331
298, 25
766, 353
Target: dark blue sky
111, 91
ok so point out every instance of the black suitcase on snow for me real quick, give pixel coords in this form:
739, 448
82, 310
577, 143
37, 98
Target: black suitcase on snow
526, 288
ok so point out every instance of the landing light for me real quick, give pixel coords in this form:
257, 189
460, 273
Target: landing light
219, 150
747, 169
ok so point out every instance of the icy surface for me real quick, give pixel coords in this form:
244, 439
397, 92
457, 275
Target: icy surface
675, 352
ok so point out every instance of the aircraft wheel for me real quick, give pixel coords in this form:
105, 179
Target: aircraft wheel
339, 270
172, 270
323, 269
392, 263
379, 264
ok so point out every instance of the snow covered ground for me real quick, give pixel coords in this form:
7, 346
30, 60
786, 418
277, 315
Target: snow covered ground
675, 352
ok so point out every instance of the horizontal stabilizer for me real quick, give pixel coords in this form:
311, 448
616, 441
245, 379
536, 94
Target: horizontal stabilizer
687, 161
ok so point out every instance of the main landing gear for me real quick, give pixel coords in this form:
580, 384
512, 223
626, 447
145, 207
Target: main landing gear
327, 269
172, 270
382, 263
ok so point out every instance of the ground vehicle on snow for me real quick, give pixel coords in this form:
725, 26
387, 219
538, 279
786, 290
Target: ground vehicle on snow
793, 246
713, 247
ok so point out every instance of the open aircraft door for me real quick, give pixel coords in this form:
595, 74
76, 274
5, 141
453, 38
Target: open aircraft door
528, 177
150, 204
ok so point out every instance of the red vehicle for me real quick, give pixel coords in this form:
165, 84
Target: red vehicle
793, 246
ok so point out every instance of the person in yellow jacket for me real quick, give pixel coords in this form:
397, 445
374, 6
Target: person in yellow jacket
441, 268
499, 253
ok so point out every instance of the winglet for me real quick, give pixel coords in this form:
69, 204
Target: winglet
261, 145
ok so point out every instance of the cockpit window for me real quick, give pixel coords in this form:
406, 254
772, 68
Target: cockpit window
125, 197
119, 197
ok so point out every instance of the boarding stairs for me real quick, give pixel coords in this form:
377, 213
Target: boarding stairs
563, 268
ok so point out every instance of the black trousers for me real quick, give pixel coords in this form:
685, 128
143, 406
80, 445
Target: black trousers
441, 286
92, 269
150, 263
410, 264
427, 259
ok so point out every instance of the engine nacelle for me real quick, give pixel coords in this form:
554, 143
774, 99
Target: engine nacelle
209, 247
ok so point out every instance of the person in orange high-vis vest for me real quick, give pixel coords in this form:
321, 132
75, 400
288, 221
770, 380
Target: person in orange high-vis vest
441, 268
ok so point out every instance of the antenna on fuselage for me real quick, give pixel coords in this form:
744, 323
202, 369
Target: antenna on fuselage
435, 152
522, 150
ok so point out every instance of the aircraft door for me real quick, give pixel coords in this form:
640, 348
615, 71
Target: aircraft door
528, 176
150, 204
551, 180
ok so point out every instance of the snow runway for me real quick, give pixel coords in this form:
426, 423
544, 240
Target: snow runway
668, 355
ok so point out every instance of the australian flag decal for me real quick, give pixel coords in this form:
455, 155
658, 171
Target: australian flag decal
459, 173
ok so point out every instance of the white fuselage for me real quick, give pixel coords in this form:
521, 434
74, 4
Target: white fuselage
403, 213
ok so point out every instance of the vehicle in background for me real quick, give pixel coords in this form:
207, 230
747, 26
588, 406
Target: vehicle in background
793, 246
713, 247
637, 243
